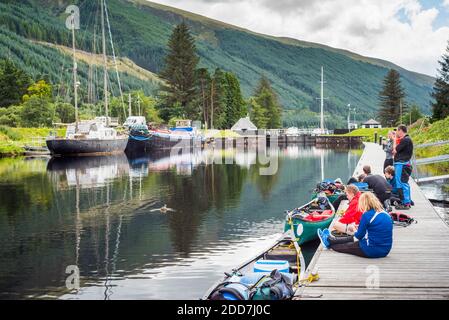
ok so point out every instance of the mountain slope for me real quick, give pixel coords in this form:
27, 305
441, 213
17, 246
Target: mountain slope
141, 30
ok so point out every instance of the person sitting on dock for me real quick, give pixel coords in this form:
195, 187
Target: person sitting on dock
402, 156
378, 184
359, 178
374, 234
351, 218
352, 181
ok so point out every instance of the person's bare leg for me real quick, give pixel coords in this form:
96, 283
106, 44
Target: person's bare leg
343, 228
340, 227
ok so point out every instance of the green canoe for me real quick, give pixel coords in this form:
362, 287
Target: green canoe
305, 230
331, 197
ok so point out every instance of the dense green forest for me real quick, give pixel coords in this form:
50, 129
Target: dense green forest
141, 31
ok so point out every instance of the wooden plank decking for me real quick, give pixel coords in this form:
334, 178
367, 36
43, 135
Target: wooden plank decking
416, 268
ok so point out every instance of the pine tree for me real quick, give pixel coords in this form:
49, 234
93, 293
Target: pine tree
218, 100
180, 67
257, 114
441, 89
14, 83
203, 79
391, 99
264, 83
267, 98
235, 104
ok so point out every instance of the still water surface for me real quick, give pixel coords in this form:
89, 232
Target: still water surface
100, 214
438, 189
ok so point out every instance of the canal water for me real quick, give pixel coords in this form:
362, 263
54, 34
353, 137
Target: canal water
101, 215
439, 189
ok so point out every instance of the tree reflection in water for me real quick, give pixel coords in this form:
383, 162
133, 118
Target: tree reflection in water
97, 213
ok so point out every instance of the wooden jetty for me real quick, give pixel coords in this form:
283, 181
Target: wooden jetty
416, 268
339, 140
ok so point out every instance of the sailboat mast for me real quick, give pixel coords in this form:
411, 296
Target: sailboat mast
105, 62
75, 78
138, 104
129, 105
322, 100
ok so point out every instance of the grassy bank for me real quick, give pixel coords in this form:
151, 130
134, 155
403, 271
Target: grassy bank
430, 132
12, 140
368, 134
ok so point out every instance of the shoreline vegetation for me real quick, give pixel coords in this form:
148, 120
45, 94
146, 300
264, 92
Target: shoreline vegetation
31, 103
12, 140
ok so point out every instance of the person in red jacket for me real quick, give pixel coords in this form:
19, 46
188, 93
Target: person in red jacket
350, 220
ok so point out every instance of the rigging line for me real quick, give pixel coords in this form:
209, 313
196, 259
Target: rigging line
91, 87
117, 244
115, 60
96, 46
84, 34
107, 234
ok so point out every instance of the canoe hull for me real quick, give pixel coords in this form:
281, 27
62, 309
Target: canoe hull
306, 231
247, 267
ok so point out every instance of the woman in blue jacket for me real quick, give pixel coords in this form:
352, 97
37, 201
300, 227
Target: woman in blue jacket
374, 236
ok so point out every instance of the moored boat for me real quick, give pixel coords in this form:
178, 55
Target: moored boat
96, 136
282, 262
87, 138
183, 135
306, 220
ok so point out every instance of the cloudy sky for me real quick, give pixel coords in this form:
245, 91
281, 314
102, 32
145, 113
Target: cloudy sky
410, 33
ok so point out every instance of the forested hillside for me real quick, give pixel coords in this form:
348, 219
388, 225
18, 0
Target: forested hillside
141, 29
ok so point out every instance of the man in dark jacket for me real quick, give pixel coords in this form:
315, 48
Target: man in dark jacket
379, 185
402, 156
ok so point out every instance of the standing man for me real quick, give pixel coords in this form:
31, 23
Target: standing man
388, 147
402, 156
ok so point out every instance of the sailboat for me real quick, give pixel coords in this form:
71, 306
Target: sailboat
93, 136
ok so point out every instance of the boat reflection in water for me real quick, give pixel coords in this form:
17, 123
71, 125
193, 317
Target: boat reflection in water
185, 162
100, 214
88, 171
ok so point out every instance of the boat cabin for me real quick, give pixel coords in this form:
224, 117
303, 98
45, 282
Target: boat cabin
113, 122
90, 130
133, 121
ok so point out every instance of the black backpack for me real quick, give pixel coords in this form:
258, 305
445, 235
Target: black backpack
276, 286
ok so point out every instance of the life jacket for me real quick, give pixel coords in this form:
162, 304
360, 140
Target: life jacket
316, 216
402, 219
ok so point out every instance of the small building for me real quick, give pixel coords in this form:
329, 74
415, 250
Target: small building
244, 125
352, 126
372, 124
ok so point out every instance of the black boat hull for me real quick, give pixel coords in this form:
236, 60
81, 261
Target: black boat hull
63, 147
154, 143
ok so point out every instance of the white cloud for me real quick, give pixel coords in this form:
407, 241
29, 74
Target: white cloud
369, 27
